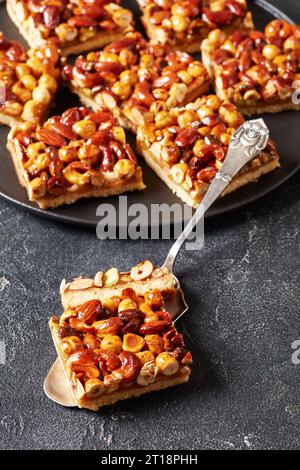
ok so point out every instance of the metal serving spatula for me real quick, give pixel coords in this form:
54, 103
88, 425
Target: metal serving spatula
247, 142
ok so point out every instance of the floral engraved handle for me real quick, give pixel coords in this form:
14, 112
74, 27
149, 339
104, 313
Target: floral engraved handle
253, 135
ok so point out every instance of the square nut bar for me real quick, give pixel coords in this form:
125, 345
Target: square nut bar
136, 80
28, 81
188, 152
257, 71
183, 24
123, 345
76, 155
73, 25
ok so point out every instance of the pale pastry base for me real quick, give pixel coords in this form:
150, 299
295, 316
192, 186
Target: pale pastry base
35, 39
72, 298
240, 180
113, 188
134, 390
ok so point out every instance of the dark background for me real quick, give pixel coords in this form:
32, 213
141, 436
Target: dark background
243, 289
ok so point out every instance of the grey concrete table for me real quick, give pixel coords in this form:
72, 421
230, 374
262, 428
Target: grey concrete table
243, 289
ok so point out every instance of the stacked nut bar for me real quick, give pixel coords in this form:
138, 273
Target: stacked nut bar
136, 80
74, 26
116, 339
256, 71
183, 24
29, 80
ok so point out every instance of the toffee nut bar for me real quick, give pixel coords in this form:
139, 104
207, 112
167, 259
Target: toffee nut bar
183, 24
256, 70
72, 25
119, 347
136, 80
188, 150
76, 155
28, 81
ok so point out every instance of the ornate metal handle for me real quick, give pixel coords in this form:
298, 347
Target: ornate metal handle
246, 142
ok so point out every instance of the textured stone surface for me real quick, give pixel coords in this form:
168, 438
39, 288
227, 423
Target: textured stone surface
243, 289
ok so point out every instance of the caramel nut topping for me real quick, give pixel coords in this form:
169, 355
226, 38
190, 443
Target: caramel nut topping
104, 356
178, 23
74, 150
195, 145
137, 77
67, 22
255, 67
30, 79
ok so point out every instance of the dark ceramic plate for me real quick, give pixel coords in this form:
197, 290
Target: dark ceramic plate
284, 129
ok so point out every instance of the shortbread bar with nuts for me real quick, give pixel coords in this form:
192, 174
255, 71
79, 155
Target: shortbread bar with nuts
73, 25
28, 81
137, 81
188, 150
76, 155
183, 24
122, 346
258, 71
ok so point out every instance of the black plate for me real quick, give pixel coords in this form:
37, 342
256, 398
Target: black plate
284, 129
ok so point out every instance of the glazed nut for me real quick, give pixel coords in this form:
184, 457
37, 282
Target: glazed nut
124, 168
98, 279
69, 313
178, 91
29, 82
145, 356
66, 32
270, 51
41, 94
147, 374
49, 82
13, 108
133, 343
112, 381
22, 93
121, 89
163, 119
119, 134
178, 172
22, 70
180, 23
129, 77
155, 344
111, 277
127, 304
36, 65
154, 298
185, 77
196, 69
32, 110
122, 17
84, 128
70, 344
89, 311
111, 343
166, 364
141, 271
111, 303
187, 117
110, 326
38, 188
94, 388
